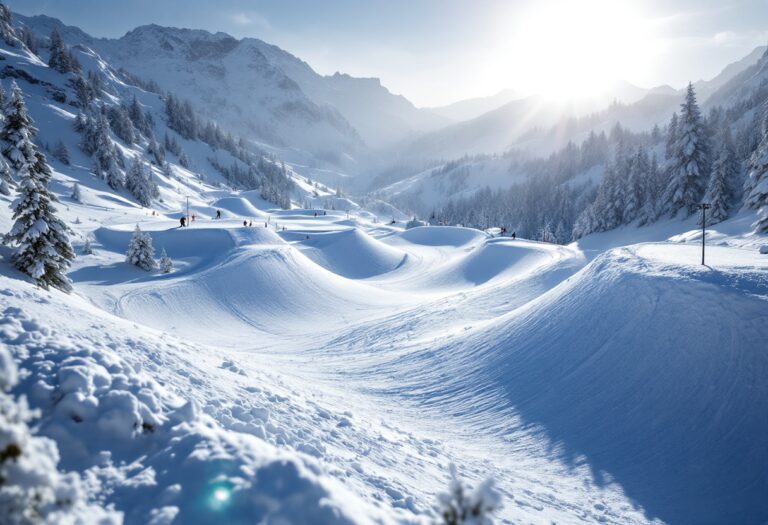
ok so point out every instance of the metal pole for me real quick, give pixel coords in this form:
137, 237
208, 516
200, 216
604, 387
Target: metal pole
187, 211
704, 206
703, 231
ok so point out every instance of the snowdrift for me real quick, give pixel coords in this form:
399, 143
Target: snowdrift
350, 253
643, 364
442, 236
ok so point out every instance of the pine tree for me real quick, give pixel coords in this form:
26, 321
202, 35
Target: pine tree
669, 148
104, 154
87, 250
166, 263
6, 180
61, 153
141, 253
76, 192
689, 168
720, 190
43, 250
29, 39
756, 185
635, 190
59, 58
654, 184
140, 184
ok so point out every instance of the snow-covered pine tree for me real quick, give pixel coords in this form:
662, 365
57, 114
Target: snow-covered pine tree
6, 180
141, 253
42, 248
76, 196
689, 164
7, 32
669, 148
87, 250
121, 124
30, 40
59, 58
654, 186
140, 183
166, 263
61, 153
720, 190
104, 154
756, 185
636, 185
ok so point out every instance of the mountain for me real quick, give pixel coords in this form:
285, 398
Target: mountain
473, 107
260, 90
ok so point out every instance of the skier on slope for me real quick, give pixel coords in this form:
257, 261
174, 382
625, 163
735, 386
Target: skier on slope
514, 235
218, 214
183, 222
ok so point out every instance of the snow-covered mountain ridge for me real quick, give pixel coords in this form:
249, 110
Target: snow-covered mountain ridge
272, 96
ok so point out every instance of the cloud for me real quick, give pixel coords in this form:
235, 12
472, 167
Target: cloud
249, 19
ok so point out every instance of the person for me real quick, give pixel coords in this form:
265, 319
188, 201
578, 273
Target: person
324, 213
315, 214
245, 223
218, 214
183, 222
193, 217
514, 235
250, 223
265, 224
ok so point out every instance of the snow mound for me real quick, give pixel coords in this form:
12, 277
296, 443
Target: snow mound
268, 288
501, 257
442, 236
645, 364
350, 253
238, 207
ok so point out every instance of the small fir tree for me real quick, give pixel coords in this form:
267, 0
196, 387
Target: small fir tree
76, 196
166, 263
141, 253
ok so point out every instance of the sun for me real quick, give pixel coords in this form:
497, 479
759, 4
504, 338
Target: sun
577, 49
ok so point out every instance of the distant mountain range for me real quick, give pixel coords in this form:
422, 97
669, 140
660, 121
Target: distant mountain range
356, 125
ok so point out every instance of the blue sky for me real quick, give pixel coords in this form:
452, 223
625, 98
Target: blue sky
439, 51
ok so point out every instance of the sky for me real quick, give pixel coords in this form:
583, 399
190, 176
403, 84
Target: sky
435, 52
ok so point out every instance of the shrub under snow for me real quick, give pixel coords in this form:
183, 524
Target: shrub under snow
32, 490
460, 506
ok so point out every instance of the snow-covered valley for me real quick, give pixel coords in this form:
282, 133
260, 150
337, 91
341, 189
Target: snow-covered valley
300, 355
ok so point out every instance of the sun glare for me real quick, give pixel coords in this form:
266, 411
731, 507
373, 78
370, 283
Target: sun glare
572, 49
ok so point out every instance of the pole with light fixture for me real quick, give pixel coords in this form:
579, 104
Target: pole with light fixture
704, 206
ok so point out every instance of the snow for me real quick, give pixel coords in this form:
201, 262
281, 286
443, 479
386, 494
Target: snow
324, 366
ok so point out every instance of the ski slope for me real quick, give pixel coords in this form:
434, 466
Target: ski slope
623, 385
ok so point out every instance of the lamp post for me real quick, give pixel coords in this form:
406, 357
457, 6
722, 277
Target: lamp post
704, 206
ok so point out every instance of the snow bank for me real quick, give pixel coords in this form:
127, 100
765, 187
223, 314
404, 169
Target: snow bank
646, 365
142, 448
